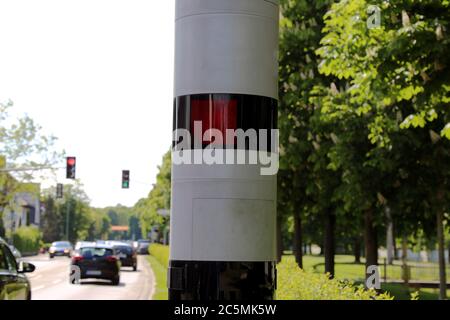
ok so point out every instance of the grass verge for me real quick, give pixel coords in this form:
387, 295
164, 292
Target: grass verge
160, 273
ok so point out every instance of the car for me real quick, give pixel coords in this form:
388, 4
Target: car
95, 261
60, 248
15, 252
143, 246
14, 284
80, 244
126, 254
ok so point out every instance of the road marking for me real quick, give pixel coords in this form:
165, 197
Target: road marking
57, 281
148, 274
37, 288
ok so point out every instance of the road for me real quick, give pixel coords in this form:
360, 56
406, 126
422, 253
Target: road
50, 281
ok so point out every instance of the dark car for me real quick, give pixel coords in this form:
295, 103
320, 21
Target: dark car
16, 253
95, 262
126, 254
60, 248
14, 285
143, 246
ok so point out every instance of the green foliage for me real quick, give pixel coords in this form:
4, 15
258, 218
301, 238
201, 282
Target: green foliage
23, 143
51, 221
392, 106
362, 116
415, 295
296, 284
158, 198
159, 260
113, 216
305, 182
160, 272
160, 252
400, 66
85, 223
27, 240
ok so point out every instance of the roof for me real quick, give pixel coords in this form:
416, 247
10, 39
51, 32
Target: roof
97, 245
119, 228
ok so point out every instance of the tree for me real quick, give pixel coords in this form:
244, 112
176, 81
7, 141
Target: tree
306, 183
69, 218
158, 198
51, 221
399, 87
22, 144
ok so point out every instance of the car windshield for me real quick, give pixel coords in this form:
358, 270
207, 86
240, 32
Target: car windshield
61, 244
96, 252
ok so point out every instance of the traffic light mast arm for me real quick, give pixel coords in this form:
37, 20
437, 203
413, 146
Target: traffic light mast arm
29, 169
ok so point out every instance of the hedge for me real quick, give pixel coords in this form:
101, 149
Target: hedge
296, 284
27, 240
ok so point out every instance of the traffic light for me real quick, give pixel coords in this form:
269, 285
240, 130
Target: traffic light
125, 179
59, 191
70, 167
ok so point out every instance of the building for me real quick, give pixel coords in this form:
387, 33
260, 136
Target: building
24, 208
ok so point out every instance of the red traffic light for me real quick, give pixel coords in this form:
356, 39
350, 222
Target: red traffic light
70, 167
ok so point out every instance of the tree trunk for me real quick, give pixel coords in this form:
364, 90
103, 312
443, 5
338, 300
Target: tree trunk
357, 249
395, 249
279, 241
298, 240
370, 239
449, 253
329, 242
405, 274
442, 276
389, 237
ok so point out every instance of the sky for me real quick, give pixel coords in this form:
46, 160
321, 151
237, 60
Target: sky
97, 74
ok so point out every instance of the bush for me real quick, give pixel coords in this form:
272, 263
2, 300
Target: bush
27, 240
160, 252
296, 284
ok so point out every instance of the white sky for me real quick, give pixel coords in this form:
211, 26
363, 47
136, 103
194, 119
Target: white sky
98, 74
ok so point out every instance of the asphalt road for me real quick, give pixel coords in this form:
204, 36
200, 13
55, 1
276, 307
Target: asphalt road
50, 281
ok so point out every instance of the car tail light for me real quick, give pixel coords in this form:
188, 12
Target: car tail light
111, 259
77, 258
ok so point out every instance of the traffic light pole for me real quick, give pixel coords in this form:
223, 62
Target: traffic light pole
67, 219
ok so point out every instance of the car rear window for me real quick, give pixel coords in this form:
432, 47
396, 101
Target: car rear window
60, 244
124, 249
96, 252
